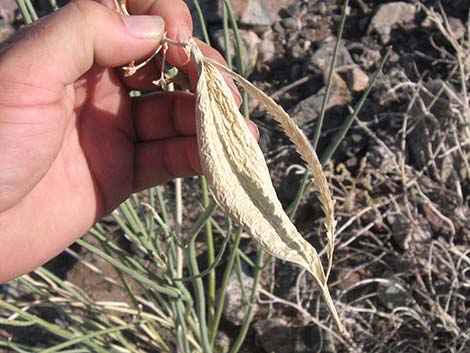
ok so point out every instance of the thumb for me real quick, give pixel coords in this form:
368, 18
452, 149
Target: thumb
60, 48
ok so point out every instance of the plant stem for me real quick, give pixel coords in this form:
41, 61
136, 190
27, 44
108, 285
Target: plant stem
249, 315
331, 73
223, 287
305, 182
203, 22
211, 279
238, 52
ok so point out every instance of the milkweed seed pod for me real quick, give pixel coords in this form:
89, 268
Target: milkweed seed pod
238, 176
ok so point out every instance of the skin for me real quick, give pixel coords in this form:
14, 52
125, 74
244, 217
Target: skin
74, 145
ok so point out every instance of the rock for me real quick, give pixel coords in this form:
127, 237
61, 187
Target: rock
250, 42
256, 13
392, 295
235, 308
457, 27
357, 79
275, 335
308, 110
346, 278
321, 59
274, 6
290, 23
247, 12
364, 56
222, 342
391, 16
7, 10
404, 233
266, 48
6, 30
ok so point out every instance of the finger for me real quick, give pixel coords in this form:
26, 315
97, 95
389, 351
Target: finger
63, 46
160, 161
169, 114
165, 115
179, 25
143, 79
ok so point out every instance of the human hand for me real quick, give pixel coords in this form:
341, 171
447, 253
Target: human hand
74, 145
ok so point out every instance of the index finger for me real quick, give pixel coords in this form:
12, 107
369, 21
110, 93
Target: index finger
178, 23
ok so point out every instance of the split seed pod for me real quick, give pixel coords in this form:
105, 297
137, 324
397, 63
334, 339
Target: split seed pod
238, 176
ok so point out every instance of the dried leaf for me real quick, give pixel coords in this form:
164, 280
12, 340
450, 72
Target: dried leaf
238, 176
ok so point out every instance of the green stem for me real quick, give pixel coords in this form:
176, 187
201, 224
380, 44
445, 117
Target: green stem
211, 279
228, 50
249, 315
347, 124
238, 52
88, 336
171, 292
331, 74
305, 182
203, 22
199, 293
31, 10
24, 11
223, 287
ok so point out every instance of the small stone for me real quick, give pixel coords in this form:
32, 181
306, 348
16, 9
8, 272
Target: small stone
256, 14
6, 30
235, 309
247, 12
457, 28
278, 27
392, 295
290, 23
308, 110
274, 6
7, 10
222, 342
321, 59
266, 48
391, 16
250, 43
357, 79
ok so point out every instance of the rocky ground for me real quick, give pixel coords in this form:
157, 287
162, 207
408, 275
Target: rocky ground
401, 177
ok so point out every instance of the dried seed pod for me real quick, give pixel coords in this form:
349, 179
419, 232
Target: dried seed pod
238, 176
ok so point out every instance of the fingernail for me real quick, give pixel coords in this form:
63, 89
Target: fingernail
183, 36
144, 26
254, 129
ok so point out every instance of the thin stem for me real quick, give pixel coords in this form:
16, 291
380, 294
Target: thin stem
211, 279
249, 315
238, 52
24, 12
202, 20
305, 182
228, 50
179, 222
347, 124
223, 287
331, 73
171, 292
32, 10
199, 293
